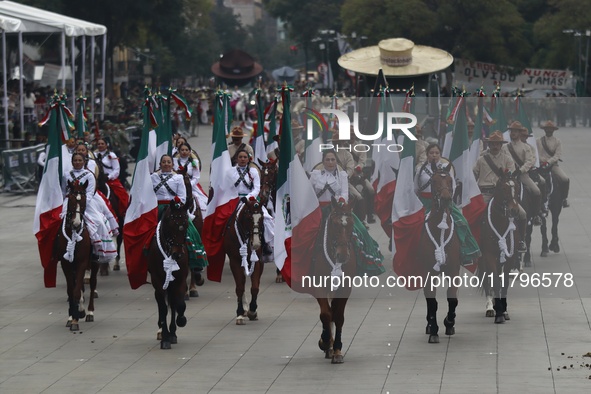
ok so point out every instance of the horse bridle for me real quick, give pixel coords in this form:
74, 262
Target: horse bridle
256, 226
78, 195
336, 243
437, 193
175, 218
504, 201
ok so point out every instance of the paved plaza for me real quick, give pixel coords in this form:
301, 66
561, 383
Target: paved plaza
540, 350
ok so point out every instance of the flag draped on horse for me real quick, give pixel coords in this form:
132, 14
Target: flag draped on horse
223, 198
141, 217
297, 210
49, 201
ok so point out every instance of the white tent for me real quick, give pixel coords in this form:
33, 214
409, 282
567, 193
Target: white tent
16, 18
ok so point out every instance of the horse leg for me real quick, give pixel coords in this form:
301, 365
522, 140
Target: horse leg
526, 261
555, 217
452, 303
543, 232
117, 266
162, 314
326, 340
432, 328
254, 290
279, 276
500, 305
93, 294
338, 317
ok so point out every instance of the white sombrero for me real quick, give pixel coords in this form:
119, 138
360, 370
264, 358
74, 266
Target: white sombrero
397, 57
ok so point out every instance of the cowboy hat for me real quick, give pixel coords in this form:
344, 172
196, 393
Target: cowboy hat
397, 57
549, 126
236, 64
496, 136
237, 132
516, 125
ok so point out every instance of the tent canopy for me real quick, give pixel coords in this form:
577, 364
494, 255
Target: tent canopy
36, 20
11, 25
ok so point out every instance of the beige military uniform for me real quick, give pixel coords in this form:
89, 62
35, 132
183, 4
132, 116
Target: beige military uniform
232, 149
555, 147
486, 177
525, 153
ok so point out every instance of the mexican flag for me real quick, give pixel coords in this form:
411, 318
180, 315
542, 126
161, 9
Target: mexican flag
497, 112
471, 203
271, 117
298, 214
474, 150
452, 114
223, 199
48, 207
260, 152
141, 217
408, 217
387, 165
163, 128
81, 118
315, 126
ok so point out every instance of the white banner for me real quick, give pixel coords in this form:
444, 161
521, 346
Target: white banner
486, 74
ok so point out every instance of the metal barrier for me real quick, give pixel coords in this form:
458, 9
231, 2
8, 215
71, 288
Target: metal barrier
19, 169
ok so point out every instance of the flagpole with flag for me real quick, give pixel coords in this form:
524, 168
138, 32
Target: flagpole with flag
271, 115
298, 214
223, 198
48, 206
260, 152
452, 114
81, 117
315, 126
408, 217
141, 217
497, 112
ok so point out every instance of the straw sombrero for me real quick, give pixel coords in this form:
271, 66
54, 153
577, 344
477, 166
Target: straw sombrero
397, 57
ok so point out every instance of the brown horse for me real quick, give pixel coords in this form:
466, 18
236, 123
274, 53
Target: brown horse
268, 194
73, 248
439, 251
168, 264
498, 240
334, 259
243, 240
556, 195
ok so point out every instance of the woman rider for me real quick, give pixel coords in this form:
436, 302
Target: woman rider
186, 160
99, 232
170, 189
469, 248
331, 181
110, 163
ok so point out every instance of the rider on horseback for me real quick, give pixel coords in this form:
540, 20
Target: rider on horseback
236, 145
468, 247
550, 150
490, 166
111, 167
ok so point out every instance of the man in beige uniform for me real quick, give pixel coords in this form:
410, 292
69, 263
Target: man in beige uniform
420, 146
524, 160
237, 134
550, 151
533, 172
493, 162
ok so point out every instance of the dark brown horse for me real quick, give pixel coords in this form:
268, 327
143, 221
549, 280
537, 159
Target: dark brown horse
334, 259
73, 248
168, 264
268, 194
243, 240
439, 251
498, 239
556, 195
103, 187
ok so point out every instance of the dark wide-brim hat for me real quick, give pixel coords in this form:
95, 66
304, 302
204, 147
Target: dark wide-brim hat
236, 64
396, 57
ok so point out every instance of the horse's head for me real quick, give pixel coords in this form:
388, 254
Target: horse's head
250, 222
506, 194
268, 180
174, 224
339, 229
441, 187
76, 203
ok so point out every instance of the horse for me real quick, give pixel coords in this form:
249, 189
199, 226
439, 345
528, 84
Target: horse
526, 203
439, 252
334, 257
103, 187
73, 249
498, 240
168, 264
239, 107
243, 240
268, 194
555, 198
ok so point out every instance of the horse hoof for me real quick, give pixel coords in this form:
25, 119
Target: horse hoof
337, 359
279, 279
95, 294
82, 314
434, 338
252, 315
75, 327
173, 339
116, 267
544, 253
490, 313
240, 321
500, 319
181, 321
506, 315
324, 346
450, 330
186, 297
69, 323
193, 293
89, 318
165, 345
329, 353
200, 281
